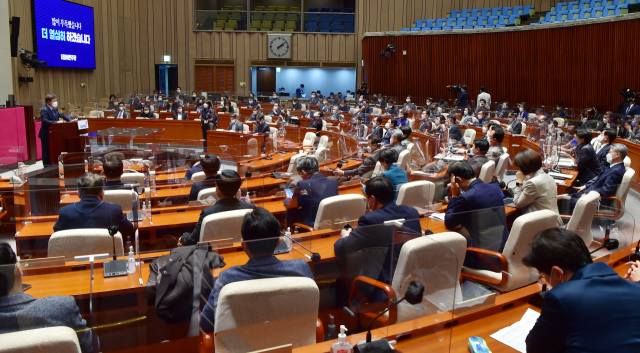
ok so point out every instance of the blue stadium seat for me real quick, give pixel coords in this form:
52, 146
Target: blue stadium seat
492, 20
455, 13
518, 10
622, 9
507, 11
336, 18
325, 9
596, 3
497, 11
482, 21
562, 16
431, 23
597, 12
312, 18
441, 22
461, 22
550, 17
585, 4
476, 12
405, 29
325, 18
573, 5
574, 15
336, 9
349, 27
465, 13
414, 29
514, 20
350, 19
562, 6
348, 10
472, 21
447, 28
324, 27
451, 22
529, 10
486, 12
313, 27
585, 13
419, 23
313, 9
504, 20
609, 11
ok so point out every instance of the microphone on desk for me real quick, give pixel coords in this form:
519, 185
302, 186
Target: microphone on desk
114, 268
14, 178
315, 257
413, 296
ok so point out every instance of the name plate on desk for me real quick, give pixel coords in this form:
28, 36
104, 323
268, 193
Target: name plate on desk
83, 124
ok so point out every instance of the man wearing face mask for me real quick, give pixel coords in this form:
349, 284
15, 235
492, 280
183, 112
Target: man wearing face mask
179, 95
343, 107
256, 113
479, 201
482, 106
209, 120
634, 135
396, 141
146, 113
483, 117
377, 128
180, 114
199, 106
113, 102
631, 109
607, 122
159, 105
316, 122
360, 116
335, 114
251, 102
134, 100
409, 105
275, 111
308, 113
381, 102
586, 306
515, 126
49, 115
496, 135
391, 127
505, 111
606, 184
484, 96
368, 165
314, 99
586, 159
426, 125
467, 118
392, 109
274, 98
325, 107
443, 103
121, 112
606, 138
560, 112
194, 96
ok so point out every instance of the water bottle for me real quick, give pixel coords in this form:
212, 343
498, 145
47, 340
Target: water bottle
614, 233
131, 261
143, 214
149, 210
287, 239
359, 153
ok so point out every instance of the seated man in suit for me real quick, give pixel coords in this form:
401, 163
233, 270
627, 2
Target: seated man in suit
586, 159
607, 122
371, 231
454, 130
310, 191
377, 128
343, 107
260, 238
251, 102
606, 184
147, 113
274, 98
227, 187
20, 312
159, 105
275, 111
479, 210
121, 112
262, 128
314, 99
482, 106
479, 149
210, 166
256, 113
368, 165
388, 158
579, 313
192, 159
112, 169
90, 211
396, 141
235, 125
496, 136
325, 107
391, 127
134, 100
316, 121
180, 114
392, 109
335, 114
607, 136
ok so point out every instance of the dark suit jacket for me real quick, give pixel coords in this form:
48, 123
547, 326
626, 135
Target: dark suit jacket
125, 114
49, 116
116, 185
393, 111
134, 101
371, 232
221, 205
463, 100
316, 123
191, 171
235, 126
90, 212
386, 139
516, 127
588, 313
602, 156
607, 182
454, 132
20, 311
185, 116
208, 182
344, 109
630, 112
318, 188
261, 128
377, 131
368, 165
603, 126
479, 209
588, 165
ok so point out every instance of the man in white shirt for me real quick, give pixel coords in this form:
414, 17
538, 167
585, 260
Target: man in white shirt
121, 112
484, 95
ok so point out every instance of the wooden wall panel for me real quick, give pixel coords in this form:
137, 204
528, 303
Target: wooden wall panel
560, 69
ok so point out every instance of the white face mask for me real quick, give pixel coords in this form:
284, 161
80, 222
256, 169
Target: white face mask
54, 104
387, 126
179, 111
484, 129
521, 109
194, 96
274, 97
313, 96
424, 115
178, 91
335, 110
361, 99
482, 104
408, 100
504, 107
146, 112
440, 110
609, 158
605, 120
121, 108
206, 106
466, 112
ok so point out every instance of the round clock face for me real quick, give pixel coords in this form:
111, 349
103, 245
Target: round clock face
279, 46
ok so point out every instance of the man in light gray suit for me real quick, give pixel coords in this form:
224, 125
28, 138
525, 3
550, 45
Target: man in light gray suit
20, 311
235, 125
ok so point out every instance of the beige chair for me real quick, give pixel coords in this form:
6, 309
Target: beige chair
487, 171
524, 129
57, 339
268, 119
582, 218
404, 160
335, 211
292, 163
627, 162
124, 198
501, 166
469, 136
560, 121
416, 193
514, 274
204, 194
223, 225
376, 170
96, 114
324, 125
309, 139
324, 140
617, 209
91, 241
320, 154
133, 178
87, 111
252, 146
199, 176
264, 313
245, 128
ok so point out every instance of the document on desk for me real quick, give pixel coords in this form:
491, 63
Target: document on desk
437, 216
515, 335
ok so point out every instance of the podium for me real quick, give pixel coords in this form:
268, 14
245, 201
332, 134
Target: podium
64, 137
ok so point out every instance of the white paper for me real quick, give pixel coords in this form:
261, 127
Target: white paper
515, 335
437, 216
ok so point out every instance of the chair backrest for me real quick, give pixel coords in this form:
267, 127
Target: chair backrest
309, 139
284, 309
404, 160
596, 144
268, 119
324, 140
338, 210
560, 121
252, 146
501, 166
416, 193
223, 225
96, 114
292, 163
487, 171
245, 128
582, 217
324, 125
124, 198
524, 228
204, 194
320, 154
469, 136
57, 339
131, 178
376, 170
87, 241
198, 176
524, 129
436, 261
627, 162
623, 190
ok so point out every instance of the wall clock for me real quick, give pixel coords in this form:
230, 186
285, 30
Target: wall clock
279, 46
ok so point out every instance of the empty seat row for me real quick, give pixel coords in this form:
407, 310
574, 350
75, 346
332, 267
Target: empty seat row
328, 9
277, 8
497, 11
582, 14
338, 27
257, 25
274, 16
330, 18
222, 25
229, 16
232, 8
458, 23
590, 4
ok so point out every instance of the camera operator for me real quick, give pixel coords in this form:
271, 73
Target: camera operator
463, 100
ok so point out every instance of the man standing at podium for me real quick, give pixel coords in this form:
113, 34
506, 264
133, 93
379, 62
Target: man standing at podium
49, 115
